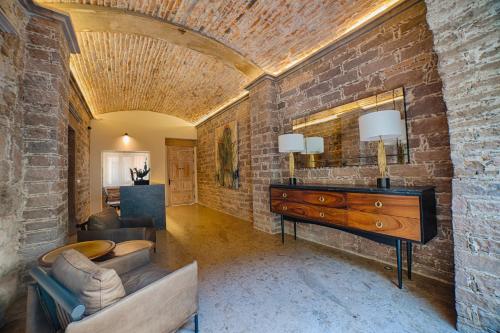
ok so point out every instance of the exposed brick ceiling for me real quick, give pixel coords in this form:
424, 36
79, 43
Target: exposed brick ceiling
123, 72
158, 76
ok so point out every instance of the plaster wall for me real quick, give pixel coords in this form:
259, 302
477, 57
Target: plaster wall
147, 131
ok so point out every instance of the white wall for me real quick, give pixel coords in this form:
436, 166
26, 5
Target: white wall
147, 131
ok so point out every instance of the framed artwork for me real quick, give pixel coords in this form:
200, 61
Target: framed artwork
226, 155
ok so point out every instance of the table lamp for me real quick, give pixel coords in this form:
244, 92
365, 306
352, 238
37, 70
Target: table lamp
291, 143
380, 126
313, 145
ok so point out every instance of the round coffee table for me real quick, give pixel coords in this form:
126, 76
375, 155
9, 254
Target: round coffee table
124, 248
91, 249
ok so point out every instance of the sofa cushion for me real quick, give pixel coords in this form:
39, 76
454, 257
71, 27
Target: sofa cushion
107, 219
95, 286
141, 277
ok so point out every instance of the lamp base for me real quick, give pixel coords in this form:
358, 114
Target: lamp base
383, 182
292, 181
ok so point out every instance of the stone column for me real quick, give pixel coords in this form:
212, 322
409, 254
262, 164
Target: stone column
45, 104
11, 146
265, 158
466, 39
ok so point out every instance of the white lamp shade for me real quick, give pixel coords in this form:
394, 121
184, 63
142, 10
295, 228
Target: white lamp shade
291, 143
378, 125
403, 128
314, 145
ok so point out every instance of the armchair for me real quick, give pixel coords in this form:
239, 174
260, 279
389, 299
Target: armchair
156, 300
108, 225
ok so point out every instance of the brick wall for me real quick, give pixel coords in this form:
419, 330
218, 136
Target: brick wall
466, 39
11, 146
82, 153
34, 63
399, 52
265, 123
45, 104
234, 202
396, 53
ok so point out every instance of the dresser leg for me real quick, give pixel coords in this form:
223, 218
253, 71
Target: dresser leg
409, 257
282, 230
400, 264
295, 230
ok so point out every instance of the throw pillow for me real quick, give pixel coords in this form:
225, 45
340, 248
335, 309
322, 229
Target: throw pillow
95, 286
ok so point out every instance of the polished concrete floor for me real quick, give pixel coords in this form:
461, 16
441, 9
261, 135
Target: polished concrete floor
250, 282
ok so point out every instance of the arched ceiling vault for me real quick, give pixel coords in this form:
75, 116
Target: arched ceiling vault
187, 57
88, 18
120, 72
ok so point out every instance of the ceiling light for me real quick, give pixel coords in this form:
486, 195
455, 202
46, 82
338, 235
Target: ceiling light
126, 138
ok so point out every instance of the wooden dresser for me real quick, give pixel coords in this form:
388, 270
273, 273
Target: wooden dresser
388, 216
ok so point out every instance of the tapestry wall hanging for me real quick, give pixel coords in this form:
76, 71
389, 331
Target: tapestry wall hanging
226, 155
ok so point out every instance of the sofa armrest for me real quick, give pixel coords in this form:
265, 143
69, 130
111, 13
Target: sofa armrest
59, 293
163, 306
136, 222
117, 235
127, 263
36, 321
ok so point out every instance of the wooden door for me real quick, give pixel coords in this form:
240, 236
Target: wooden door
180, 166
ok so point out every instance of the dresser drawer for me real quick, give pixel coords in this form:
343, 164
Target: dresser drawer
397, 226
311, 212
321, 198
395, 205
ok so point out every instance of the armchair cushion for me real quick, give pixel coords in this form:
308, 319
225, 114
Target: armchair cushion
107, 219
125, 264
141, 277
96, 287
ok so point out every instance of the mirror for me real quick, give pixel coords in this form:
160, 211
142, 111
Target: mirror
332, 135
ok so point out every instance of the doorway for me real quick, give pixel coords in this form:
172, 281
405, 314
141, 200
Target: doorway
71, 182
181, 172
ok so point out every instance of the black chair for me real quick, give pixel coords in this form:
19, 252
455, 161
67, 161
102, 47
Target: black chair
107, 225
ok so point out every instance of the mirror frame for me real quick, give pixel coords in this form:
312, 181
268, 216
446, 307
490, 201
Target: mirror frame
377, 101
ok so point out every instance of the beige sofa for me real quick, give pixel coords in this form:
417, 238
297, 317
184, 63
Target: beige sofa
156, 300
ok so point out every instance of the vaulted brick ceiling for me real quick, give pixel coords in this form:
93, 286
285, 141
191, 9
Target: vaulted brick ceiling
122, 72
121, 69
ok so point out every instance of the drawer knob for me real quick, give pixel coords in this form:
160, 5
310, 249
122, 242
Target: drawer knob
285, 207
284, 195
379, 224
378, 204
321, 199
321, 214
